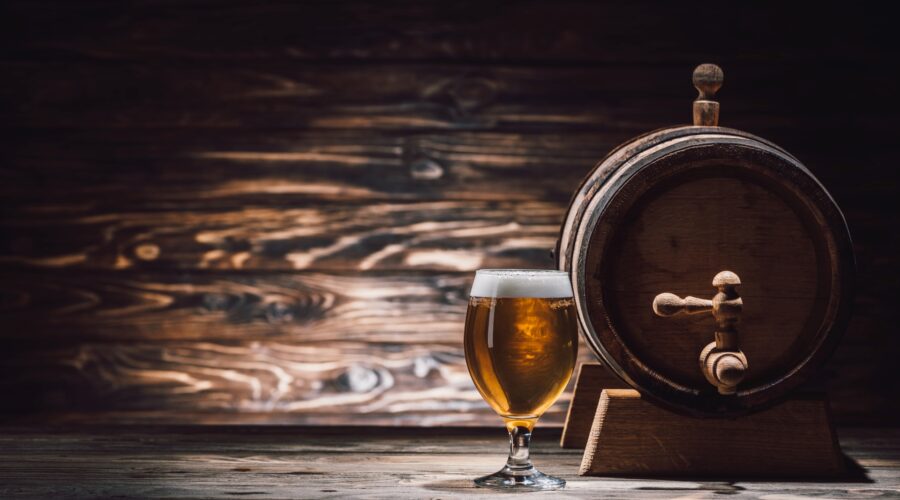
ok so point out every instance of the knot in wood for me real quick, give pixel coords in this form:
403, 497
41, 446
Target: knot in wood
424, 168
279, 312
147, 251
473, 93
358, 379
216, 301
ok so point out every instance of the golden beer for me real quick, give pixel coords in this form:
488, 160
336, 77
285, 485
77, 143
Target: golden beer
521, 352
521, 342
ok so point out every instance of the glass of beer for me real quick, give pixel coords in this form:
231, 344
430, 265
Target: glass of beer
521, 342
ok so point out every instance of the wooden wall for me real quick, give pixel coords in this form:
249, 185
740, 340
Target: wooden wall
271, 211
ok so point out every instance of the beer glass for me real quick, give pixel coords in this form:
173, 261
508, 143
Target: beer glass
521, 342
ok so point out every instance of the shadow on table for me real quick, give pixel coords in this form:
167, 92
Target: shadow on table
854, 473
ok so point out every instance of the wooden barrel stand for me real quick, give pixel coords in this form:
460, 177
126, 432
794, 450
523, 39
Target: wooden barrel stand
625, 435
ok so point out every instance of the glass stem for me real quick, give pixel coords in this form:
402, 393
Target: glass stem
519, 439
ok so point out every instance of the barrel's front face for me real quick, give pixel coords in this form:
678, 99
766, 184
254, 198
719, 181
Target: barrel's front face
670, 213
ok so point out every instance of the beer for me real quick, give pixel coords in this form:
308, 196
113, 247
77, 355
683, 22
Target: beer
521, 341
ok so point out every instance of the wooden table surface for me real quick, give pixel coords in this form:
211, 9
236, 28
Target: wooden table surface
353, 462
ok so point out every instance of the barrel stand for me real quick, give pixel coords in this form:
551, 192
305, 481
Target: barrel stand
625, 435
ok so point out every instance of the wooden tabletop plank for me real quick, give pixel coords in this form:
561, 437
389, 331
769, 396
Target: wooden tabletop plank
298, 462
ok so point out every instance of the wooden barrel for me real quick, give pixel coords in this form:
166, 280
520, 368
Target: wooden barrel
663, 217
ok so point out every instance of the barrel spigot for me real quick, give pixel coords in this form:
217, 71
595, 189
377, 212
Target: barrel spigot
722, 362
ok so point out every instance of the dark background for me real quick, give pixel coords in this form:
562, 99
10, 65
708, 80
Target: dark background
271, 211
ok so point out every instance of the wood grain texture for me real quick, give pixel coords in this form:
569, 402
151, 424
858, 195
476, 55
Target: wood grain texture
632, 437
315, 379
592, 378
131, 129
145, 95
326, 347
291, 462
391, 308
448, 235
85, 170
681, 239
312, 382
383, 97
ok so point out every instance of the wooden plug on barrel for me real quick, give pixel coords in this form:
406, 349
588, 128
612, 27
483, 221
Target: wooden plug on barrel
708, 79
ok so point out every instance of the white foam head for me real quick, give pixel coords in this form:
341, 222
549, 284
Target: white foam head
520, 283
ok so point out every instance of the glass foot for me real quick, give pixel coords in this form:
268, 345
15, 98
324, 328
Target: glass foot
526, 479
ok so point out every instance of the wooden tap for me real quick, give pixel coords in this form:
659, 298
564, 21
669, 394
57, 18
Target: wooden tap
722, 362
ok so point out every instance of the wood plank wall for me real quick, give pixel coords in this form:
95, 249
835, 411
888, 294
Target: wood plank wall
270, 211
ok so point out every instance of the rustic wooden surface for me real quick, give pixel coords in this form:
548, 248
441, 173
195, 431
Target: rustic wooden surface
631, 436
222, 213
296, 462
